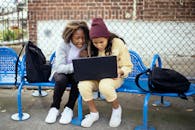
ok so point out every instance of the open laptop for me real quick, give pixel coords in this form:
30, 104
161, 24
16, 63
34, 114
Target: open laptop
95, 68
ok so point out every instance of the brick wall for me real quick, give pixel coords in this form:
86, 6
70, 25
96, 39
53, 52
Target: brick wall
167, 10
155, 10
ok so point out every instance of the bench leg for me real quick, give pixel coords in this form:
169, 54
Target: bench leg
145, 125
20, 116
39, 93
161, 102
77, 120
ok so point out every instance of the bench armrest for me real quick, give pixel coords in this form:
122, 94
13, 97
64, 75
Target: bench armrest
156, 61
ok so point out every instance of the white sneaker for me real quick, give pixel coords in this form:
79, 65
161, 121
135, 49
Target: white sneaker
66, 116
52, 115
115, 119
90, 119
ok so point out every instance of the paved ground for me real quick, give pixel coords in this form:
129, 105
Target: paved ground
179, 116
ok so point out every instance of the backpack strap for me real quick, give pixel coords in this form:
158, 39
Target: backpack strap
137, 79
16, 66
182, 95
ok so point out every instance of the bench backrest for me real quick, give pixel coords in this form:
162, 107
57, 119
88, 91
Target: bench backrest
138, 67
8, 58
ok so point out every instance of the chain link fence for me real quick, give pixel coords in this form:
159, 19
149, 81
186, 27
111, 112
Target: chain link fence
174, 41
13, 21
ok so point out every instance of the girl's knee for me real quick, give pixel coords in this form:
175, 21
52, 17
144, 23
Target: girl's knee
60, 82
60, 79
85, 90
85, 87
108, 91
106, 85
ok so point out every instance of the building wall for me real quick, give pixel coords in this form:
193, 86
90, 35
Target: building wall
167, 10
145, 10
165, 27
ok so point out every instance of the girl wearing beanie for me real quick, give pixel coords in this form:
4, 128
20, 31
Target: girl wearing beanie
76, 37
104, 44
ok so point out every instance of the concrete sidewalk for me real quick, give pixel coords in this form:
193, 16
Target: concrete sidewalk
179, 116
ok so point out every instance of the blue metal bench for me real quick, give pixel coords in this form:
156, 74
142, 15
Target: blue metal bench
8, 58
129, 86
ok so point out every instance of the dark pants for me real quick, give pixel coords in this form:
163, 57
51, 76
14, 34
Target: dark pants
61, 81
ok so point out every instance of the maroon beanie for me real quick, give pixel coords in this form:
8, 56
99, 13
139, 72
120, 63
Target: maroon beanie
98, 29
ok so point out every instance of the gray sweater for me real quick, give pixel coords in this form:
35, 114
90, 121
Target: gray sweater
60, 64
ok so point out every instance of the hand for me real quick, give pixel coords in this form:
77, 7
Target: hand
83, 53
120, 73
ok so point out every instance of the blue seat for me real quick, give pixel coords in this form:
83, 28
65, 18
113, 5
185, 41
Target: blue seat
8, 58
129, 86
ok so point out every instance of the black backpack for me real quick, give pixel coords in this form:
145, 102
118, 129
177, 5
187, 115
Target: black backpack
165, 81
37, 69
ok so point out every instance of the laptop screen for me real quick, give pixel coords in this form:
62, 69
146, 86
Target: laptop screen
95, 68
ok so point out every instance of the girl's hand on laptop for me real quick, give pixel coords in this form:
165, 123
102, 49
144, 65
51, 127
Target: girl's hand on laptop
83, 53
120, 73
